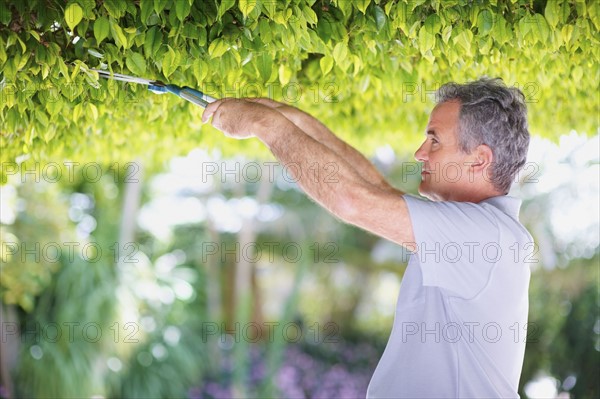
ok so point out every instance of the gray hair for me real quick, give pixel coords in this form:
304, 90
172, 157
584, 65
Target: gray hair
493, 114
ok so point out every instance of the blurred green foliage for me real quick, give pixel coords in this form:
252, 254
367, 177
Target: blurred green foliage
152, 304
563, 337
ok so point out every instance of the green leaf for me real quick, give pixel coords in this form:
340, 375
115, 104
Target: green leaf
552, 13
41, 116
202, 36
77, 110
20, 41
217, 48
76, 69
345, 7
22, 62
309, 15
485, 22
326, 64
136, 63
426, 40
446, 33
247, 6
34, 34
101, 29
49, 133
264, 64
464, 40
285, 74
149, 41
581, 8
160, 5
115, 8
146, 8
54, 105
182, 9
88, 6
567, 33
73, 15
5, 14
264, 31
170, 62
117, 34
45, 70
539, 28
62, 67
92, 110
224, 6
3, 56
577, 74
501, 33
152, 41
282, 17
380, 18
362, 5
82, 28
26, 301
340, 52
200, 70
433, 24
413, 31
190, 30
594, 13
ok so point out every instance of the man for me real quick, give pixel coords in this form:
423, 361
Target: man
462, 309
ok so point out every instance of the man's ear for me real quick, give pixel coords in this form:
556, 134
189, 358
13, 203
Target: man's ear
483, 157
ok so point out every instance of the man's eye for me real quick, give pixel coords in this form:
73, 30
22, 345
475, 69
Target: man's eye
434, 141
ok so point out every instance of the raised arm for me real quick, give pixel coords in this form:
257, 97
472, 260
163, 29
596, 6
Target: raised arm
347, 194
321, 133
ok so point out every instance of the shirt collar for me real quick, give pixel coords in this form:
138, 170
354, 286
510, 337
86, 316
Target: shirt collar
507, 204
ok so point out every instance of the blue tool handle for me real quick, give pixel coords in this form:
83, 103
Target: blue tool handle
192, 95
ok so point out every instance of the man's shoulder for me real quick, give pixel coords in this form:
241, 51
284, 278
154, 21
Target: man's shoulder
485, 220
450, 208
507, 205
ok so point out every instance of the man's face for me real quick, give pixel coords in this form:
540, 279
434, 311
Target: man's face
445, 167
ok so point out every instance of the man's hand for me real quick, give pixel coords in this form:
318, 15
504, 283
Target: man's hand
242, 118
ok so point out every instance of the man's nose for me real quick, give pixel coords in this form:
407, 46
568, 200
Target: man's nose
421, 154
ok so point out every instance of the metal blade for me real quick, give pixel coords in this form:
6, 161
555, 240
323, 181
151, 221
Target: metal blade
127, 78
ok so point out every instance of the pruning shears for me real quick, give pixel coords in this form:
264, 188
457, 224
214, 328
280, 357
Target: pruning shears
156, 86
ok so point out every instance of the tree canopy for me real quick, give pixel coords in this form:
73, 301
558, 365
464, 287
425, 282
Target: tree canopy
367, 68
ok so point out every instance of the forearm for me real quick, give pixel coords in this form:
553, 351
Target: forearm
322, 173
322, 134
